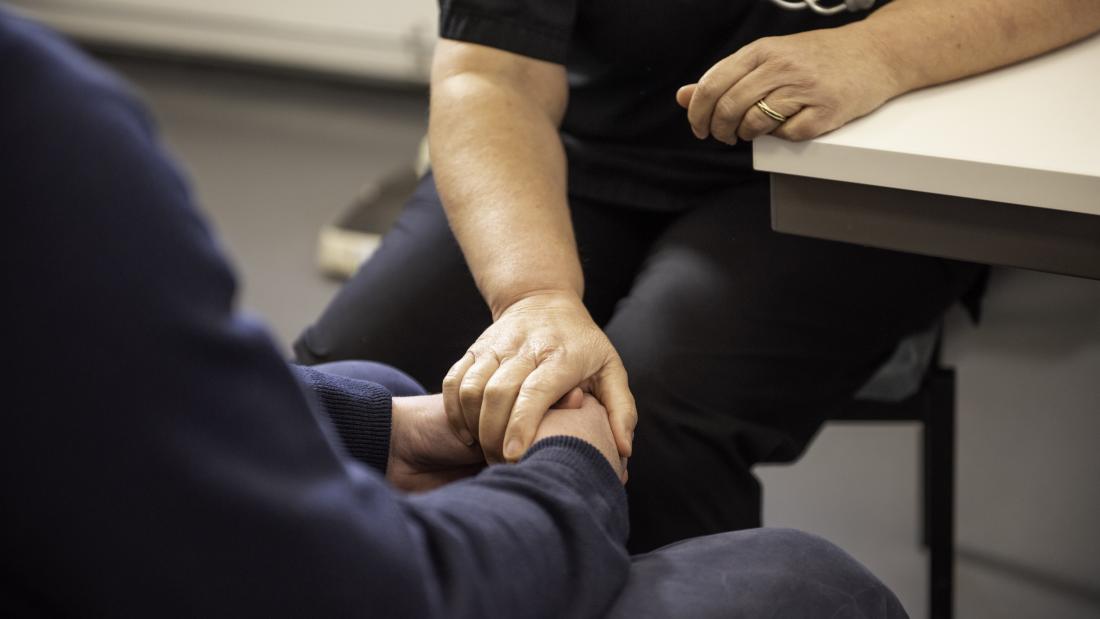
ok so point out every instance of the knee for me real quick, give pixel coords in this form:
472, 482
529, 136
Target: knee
649, 356
308, 351
815, 576
793, 542
674, 361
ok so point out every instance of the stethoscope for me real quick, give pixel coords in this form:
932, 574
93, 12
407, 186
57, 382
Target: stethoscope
816, 6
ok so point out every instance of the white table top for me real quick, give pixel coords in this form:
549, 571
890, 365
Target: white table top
1027, 134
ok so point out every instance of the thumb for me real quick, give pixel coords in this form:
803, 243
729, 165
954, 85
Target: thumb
573, 399
613, 391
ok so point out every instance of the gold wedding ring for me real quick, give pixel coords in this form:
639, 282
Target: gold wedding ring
774, 115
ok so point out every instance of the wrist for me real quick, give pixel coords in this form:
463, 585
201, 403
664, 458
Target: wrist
895, 75
565, 297
599, 458
417, 426
398, 412
588, 425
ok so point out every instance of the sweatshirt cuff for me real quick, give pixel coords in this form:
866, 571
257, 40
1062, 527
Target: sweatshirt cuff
593, 469
359, 410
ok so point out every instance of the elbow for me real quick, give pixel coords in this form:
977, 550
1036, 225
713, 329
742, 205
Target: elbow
470, 75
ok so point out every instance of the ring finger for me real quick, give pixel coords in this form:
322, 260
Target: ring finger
758, 122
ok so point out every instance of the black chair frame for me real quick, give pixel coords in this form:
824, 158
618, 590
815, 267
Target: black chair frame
934, 406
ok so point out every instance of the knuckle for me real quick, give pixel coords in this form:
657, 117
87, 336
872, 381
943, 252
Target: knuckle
725, 107
762, 49
802, 132
495, 393
469, 395
471, 383
615, 364
542, 352
473, 378
805, 82
722, 129
534, 390
800, 135
754, 49
783, 63
455, 371
763, 43
632, 415
705, 90
494, 390
752, 125
725, 134
519, 419
529, 398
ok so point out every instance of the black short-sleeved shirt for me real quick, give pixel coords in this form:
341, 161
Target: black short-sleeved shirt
626, 139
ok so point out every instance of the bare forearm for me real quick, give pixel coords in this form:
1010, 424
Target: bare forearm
500, 169
933, 41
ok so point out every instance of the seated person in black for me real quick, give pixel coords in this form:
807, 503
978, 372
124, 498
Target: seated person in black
163, 460
593, 215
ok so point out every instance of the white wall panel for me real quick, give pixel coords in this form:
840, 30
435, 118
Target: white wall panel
372, 38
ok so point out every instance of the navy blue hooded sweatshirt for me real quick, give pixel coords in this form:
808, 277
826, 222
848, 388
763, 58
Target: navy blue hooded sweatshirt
161, 459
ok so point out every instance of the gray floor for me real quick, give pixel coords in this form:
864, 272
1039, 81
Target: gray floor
272, 159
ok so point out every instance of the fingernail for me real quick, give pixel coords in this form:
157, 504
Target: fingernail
512, 449
465, 436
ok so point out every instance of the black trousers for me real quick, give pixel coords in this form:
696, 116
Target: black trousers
739, 341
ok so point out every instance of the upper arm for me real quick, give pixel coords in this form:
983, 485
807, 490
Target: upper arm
457, 63
517, 45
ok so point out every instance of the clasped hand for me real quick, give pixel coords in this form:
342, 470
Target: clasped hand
538, 350
426, 454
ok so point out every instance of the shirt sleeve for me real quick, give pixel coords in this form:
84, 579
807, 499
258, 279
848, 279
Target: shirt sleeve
359, 410
164, 461
539, 29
